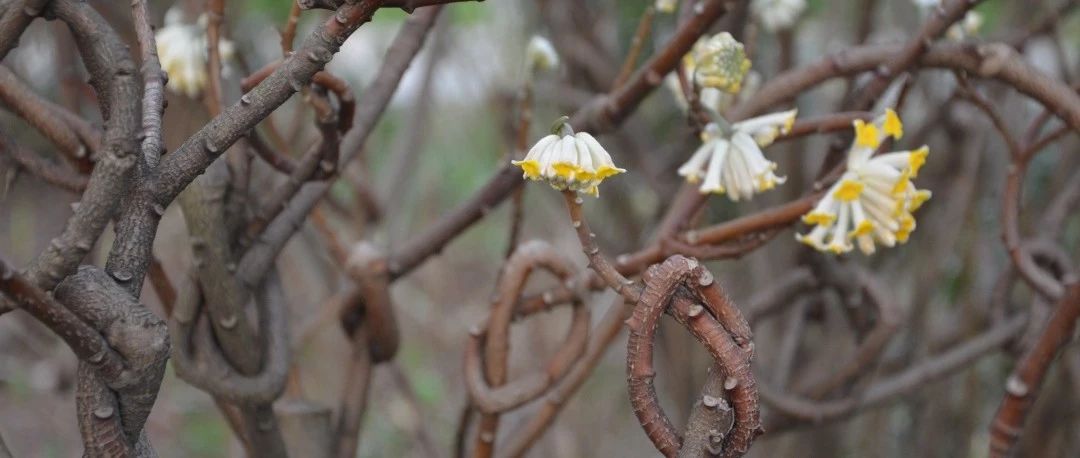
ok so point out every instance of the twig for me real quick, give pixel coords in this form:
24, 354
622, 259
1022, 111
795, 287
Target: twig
600, 338
935, 25
84, 340
54, 174
288, 35
1022, 386
44, 116
636, 44
891, 387
597, 261
215, 14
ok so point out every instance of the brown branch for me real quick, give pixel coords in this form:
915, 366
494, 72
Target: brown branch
886, 323
85, 341
597, 261
57, 175
1022, 386
938, 22
138, 222
198, 362
683, 283
274, 158
44, 116
153, 100
214, 96
600, 338
354, 396
407, 5
139, 336
488, 386
644, 27
113, 76
799, 410
373, 307
14, 19
288, 35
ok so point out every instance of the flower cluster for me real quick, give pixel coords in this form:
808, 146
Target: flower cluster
873, 201
181, 48
568, 160
730, 159
718, 62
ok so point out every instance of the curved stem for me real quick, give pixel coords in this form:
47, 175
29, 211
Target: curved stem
597, 262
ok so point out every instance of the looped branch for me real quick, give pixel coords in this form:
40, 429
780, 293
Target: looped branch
488, 350
197, 359
686, 290
492, 338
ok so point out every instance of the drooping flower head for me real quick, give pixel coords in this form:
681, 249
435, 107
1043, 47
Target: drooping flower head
568, 160
777, 14
540, 55
181, 48
730, 158
718, 62
873, 201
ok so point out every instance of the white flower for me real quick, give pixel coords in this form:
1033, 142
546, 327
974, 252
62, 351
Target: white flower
732, 162
777, 14
969, 26
718, 62
541, 55
182, 50
573, 161
666, 6
874, 200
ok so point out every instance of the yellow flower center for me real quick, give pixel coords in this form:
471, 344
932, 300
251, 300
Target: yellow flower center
848, 190
866, 135
819, 218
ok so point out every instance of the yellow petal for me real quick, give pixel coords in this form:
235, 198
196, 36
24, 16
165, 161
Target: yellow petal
892, 125
819, 218
530, 167
917, 159
848, 190
866, 135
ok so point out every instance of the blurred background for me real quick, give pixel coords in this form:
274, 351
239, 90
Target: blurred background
449, 126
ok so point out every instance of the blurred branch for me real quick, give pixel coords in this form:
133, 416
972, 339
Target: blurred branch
43, 115
1022, 386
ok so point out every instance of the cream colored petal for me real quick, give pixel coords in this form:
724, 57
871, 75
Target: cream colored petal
713, 177
693, 168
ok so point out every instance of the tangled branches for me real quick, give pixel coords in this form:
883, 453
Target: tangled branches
287, 201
